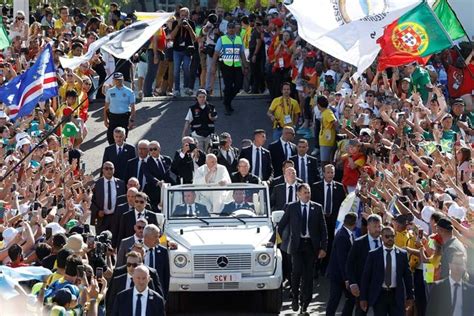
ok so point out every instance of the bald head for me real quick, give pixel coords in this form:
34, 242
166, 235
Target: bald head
141, 277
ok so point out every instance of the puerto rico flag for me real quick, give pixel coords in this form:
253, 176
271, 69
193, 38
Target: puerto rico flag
22, 94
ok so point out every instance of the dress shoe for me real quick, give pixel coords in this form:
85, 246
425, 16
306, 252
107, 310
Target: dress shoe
304, 310
294, 305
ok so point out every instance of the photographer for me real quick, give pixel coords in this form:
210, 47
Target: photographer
200, 118
212, 33
183, 36
226, 154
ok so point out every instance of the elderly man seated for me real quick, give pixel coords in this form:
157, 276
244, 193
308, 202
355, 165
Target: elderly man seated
238, 203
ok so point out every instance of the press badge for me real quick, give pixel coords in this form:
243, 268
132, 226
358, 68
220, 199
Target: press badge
281, 62
288, 119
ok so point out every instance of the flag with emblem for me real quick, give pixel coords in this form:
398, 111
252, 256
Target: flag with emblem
413, 37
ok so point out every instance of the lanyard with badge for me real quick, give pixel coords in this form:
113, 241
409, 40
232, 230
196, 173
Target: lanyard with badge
286, 117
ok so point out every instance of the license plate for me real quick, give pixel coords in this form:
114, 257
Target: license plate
223, 277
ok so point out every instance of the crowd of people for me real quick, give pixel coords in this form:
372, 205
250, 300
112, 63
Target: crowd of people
374, 174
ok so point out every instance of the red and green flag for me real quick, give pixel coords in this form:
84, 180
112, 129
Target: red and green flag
413, 37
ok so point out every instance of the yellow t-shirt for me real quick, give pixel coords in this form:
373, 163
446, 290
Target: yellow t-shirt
327, 134
406, 239
66, 87
285, 112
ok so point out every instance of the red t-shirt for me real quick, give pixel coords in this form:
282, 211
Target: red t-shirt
350, 176
460, 81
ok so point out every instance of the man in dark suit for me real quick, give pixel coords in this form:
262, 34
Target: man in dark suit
286, 192
185, 159
129, 219
131, 183
159, 167
138, 166
190, 208
330, 195
238, 203
259, 158
387, 282
134, 301
281, 179
306, 166
452, 295
227, 155
156, 256
243, 174
282, 149
119, 153
126, 244
307, 241
358, 255
337, 267
119, 211
124, 279
104, 198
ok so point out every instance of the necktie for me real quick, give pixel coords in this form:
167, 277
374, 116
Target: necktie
305, 220
119, 151
139, 215
140, 241
455, 295
228, 158
388, 268
140, 173
109, 195
190, 211
303, 171
290, 194
161, 169
257, 163
138, 307
328, 202
286, 150
131, 283
376, 243
151, 260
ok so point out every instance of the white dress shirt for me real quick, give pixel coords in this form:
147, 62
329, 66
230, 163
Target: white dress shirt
372, 243
287, 192
394, 266
137, 240
113, 190
326, 188
117, 148
139, 215
128, 282
144, 300
193, 208
231, 154
254, 157
307, 219
457, 309
140, 161
146, 258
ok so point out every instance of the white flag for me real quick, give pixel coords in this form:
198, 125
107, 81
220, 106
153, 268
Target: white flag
123, 43
347, 29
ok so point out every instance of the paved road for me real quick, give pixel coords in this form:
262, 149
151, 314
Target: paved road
162, 120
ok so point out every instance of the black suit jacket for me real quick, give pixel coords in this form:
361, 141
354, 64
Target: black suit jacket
119, 211
316, 225
338, 259
356, 259
278, 156
440, 303
128, 220
267, 168
338, 195
200, 209
98, 195
236, 177
123, 304
132, 171
311, 167
278, 197
222, 160
121, 270
162, 266
158, 174
232, 206
183, 168
120, 162
374, 272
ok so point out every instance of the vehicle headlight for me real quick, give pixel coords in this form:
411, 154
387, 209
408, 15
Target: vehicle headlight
180, 261
264, 259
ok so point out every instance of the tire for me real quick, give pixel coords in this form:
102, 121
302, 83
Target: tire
273, 301
173, 303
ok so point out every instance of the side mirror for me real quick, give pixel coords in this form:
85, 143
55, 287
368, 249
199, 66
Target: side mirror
276, 216
160, 218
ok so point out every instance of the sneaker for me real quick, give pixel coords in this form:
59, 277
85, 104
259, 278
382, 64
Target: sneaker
176, 93
188, 91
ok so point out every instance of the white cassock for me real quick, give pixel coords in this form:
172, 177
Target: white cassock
204, 176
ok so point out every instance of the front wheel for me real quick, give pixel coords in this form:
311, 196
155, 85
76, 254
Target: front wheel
273, 300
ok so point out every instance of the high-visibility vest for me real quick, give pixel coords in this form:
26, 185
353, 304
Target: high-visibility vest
230, 51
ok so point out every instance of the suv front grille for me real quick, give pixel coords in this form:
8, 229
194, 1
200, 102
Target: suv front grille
235, 261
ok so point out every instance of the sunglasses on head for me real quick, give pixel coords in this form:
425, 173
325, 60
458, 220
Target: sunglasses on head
130, 264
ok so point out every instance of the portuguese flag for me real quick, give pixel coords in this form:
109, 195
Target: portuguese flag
413, 37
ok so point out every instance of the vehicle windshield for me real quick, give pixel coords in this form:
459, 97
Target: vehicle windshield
217, 202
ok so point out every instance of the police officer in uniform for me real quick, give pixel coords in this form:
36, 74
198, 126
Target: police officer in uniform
230, 49
200, 118
119, 108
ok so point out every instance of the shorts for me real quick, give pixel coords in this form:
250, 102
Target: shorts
141, 69
326, 152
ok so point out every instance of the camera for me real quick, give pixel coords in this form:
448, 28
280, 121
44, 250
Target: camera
213, 19
185, 22
214, 144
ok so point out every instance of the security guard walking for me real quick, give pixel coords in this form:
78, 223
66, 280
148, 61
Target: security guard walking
119, 108
234, 64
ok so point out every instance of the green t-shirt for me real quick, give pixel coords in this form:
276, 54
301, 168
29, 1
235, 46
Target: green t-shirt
419, 79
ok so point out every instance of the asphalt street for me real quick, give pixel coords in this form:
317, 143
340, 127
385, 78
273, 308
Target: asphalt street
162, 119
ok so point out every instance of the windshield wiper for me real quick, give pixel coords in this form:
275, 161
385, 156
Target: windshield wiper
238, 218
204, 221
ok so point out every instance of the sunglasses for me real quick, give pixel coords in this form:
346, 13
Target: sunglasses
153, 149
130, 264
389, 236
108, 168
140, 227
370, 95
139, 201
20, 18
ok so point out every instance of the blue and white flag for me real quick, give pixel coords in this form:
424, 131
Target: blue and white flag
23, 93
9, 278
350, 204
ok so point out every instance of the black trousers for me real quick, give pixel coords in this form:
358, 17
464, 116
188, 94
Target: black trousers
386, 304
279, 76
233, 79
420, 292
336, 290
117, 120
358, 310
286, 265
105, 223
302, 274
257, 78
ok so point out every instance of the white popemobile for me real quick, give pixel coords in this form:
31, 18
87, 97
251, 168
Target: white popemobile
222, 235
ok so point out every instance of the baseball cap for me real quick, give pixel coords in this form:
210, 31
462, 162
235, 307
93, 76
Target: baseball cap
201, 91
445, 223
367, 131
118, 75
458, 101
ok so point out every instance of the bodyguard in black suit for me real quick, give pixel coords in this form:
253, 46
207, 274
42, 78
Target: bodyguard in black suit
238, 203
227, 155
307, 168
140, 298
307, 241
138, 166
452, 295
184, 159
259, 158
282, 149
243, 174
286, 192
119, 153
330, 195
358, 255
104, 198
337, 267
387, 282
281, 179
